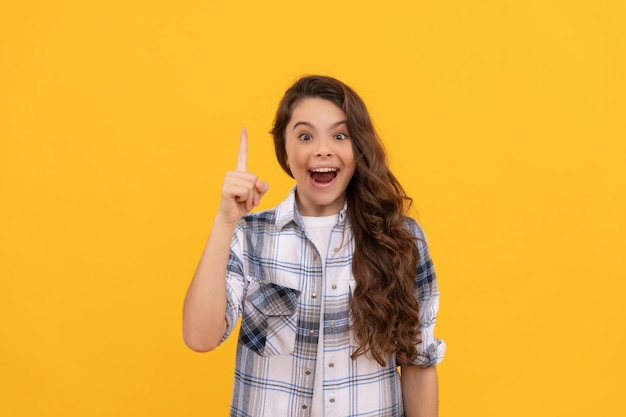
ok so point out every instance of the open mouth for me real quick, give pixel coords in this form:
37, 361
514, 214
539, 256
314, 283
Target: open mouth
323, 175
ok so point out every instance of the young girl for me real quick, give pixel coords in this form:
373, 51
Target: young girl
335, 286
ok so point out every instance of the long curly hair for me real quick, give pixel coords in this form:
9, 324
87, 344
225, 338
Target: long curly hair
385, 312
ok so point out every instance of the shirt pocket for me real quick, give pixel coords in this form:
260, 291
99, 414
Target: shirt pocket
269, 320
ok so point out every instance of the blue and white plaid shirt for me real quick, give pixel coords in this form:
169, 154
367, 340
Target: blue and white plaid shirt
275, 283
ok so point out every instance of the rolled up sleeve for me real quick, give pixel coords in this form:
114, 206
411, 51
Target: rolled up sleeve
431, 350
235, 278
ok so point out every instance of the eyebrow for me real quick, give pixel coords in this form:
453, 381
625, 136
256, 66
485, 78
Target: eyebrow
310, 125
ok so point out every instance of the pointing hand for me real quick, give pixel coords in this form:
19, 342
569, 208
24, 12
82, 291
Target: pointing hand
242, 190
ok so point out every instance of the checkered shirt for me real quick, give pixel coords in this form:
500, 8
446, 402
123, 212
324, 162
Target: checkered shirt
275, 283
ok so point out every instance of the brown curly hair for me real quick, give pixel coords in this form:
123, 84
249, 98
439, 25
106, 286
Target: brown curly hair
385, 312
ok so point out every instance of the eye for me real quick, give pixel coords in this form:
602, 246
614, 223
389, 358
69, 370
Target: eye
341, 136
305, 137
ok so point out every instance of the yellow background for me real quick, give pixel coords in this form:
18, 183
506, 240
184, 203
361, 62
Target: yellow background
505, 120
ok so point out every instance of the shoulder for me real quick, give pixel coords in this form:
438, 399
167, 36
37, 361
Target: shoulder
272, 220
259, 220
420, 236
415, 228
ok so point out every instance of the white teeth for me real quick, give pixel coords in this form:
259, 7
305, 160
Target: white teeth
324, 170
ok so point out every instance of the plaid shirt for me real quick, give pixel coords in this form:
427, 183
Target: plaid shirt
275, 283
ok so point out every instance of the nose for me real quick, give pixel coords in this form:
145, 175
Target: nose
323, 148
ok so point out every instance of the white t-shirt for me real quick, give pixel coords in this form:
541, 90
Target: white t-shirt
319, 230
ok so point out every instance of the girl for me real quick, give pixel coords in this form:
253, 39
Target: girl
335, 286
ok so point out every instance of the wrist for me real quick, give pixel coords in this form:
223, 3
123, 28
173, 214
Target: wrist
224, 222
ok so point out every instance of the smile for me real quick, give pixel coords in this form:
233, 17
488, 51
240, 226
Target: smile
323, 175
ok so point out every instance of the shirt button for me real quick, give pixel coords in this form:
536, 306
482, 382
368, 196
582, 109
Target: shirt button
336, 249
311, 332
308, 372
332, 400
334, 287
313, 295
332, 324
331, 365
315, 257
304, 406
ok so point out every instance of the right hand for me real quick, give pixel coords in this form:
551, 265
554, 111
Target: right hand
242, 190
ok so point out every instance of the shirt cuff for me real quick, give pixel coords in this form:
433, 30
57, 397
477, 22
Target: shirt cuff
432, 355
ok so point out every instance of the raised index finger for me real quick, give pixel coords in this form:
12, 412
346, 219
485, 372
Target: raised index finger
242, 156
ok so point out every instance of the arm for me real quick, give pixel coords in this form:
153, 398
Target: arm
204, 311
420, 391
419, 380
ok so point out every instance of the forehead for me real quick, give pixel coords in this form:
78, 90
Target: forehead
316, 111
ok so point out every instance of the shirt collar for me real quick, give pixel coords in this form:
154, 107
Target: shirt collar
287, 212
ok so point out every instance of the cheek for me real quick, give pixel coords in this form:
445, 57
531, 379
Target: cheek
348, 156
296, 157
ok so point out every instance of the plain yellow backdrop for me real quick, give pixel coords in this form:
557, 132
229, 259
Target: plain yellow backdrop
505, 120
